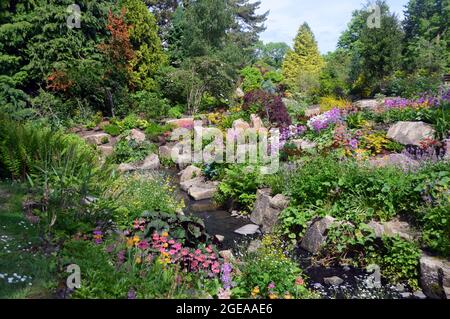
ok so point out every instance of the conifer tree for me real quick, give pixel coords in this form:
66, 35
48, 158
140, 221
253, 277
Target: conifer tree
302, 65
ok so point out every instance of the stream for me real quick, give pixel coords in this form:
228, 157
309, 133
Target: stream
357, 283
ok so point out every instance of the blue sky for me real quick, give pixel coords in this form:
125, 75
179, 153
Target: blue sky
327, 18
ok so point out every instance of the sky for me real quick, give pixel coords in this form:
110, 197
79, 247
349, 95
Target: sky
327, 19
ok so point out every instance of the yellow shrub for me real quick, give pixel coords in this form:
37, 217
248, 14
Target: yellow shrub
328, 102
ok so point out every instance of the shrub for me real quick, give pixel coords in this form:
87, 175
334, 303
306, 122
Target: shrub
131, 195
131, 151
271, 274
175, 112
240, 184
328, 103
112, 129
150, 104
252, 79
267, 106
154, 130
399, 261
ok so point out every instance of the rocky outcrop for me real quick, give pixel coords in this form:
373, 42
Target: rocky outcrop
97, 138
106, 150
267, 209
203, 191
435, 277
316, 235
302, 144
151, 162
410, 133
333, 281
256, 121
368, 104
195, 185
312, 111
187, 122
136, 135
393, 228
189, 173
398, 160
165, 152
240, 124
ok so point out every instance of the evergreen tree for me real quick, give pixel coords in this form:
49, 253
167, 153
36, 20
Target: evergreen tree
149, 55
302, 65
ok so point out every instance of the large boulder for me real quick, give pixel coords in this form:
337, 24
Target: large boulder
240, 124
368, 104
187, 122
316, 235
186, 185
203, 191
151, 162
106, 150
410, 133
189, 173
98, 138
393, 228
165, 152
267, 209
435, 277
257, 123
136, 135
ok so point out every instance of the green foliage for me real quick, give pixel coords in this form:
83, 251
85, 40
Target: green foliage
400, 261
272, 53
149, 54
252, 79
131, 151
154, 130
112, 129
104, 280
150, 104
240, 184
130, 196
270, 273
302, 66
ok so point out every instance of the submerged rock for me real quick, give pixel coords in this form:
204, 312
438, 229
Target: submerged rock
333, 281
410, 133
316, 236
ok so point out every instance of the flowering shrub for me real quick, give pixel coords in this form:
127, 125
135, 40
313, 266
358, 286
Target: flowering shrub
169, 251
270, 274
323, 121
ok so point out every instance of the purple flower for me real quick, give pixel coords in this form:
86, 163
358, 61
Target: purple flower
131, 294
226, 275
323, 121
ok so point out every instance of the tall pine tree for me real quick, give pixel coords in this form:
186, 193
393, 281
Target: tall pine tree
302, 65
